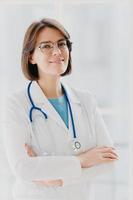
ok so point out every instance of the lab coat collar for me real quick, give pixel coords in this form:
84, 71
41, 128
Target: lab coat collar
39, 97
41, 101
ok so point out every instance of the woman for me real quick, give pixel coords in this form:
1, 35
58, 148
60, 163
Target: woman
55, 139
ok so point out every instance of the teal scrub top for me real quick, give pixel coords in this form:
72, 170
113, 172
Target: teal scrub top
60, 105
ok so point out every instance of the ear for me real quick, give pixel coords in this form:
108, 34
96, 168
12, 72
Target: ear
31, 60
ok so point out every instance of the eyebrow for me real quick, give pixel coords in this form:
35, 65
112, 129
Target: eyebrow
62, 39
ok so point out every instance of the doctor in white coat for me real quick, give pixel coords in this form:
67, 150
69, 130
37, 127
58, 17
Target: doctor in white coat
55, 138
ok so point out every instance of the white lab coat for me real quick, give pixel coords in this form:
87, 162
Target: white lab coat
53, 143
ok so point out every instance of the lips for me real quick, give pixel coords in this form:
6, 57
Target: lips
59, 60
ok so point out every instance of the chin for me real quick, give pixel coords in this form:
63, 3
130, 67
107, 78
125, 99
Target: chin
61, 70
59, 73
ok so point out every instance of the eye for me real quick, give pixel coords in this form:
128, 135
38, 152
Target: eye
46, 46
62, 44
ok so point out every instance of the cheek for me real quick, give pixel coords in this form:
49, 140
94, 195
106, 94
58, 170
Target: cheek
66, 55
41, 59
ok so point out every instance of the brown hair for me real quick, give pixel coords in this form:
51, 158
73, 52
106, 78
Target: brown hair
30, 70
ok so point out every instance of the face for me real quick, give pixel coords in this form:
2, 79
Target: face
51, 53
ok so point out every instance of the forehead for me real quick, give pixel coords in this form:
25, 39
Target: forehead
49, 34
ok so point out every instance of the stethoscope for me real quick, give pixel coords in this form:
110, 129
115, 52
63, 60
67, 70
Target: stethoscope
76, 144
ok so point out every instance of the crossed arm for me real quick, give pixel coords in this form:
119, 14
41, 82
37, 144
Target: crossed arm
80, 168
90, 158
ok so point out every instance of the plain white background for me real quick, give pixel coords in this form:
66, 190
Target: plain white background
101, 32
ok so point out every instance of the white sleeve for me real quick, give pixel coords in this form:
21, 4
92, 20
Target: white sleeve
16, 134
102, 139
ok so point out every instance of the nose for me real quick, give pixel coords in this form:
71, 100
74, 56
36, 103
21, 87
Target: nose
56, 50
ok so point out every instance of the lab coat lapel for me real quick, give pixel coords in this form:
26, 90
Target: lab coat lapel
76, 111
41, 101
76, 108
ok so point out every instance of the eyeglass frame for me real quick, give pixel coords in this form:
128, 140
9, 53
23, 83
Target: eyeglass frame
68, 45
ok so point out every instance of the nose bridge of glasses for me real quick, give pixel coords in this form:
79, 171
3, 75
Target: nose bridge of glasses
55, 47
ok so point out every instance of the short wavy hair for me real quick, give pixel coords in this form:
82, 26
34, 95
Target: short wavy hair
31, 70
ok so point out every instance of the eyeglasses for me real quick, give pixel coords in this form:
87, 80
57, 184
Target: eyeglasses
47, 47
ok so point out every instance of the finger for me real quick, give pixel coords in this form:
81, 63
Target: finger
109, 155
50, 182
59, 183
27, 148
109, 150
30, 151
113, 152
55, 183
108, 160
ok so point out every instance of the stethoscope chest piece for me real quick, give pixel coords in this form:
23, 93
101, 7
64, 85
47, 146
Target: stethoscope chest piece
76, 145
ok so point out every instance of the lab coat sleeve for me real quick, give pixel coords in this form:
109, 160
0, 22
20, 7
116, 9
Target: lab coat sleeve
16, 134
102, 139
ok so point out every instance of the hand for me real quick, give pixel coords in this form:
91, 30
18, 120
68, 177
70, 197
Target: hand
30, 151
58, 182
96, 156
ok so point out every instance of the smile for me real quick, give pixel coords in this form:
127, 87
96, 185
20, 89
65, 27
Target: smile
57, 61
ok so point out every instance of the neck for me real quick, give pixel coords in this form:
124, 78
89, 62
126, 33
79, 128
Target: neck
51, 87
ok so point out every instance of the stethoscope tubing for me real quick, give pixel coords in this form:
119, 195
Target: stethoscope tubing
34, 107
71, 114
